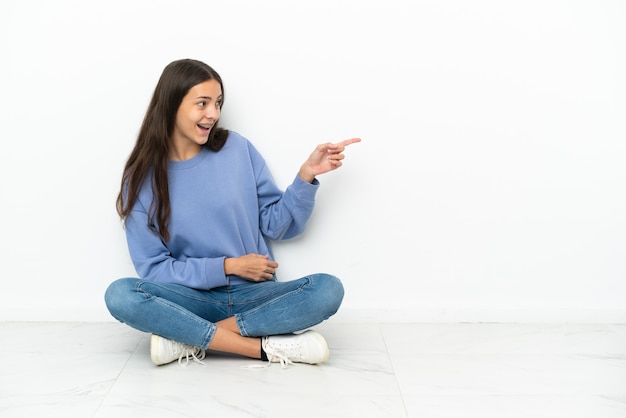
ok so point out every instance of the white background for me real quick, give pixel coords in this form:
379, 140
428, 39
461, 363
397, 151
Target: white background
489, 185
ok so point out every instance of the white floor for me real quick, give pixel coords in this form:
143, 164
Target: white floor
375, 370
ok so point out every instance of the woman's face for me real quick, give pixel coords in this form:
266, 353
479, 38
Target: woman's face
196, 116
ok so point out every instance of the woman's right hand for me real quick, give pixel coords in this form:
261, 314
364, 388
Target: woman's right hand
253, 267
326, 157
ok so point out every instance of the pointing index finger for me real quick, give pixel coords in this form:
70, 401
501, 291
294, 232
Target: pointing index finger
348, 142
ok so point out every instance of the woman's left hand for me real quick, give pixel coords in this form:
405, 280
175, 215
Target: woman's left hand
325, 158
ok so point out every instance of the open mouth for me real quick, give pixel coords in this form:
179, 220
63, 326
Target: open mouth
204, 126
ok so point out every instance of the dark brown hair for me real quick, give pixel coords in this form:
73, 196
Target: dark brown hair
149, 157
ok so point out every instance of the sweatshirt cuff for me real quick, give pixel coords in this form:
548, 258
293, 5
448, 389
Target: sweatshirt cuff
215, 276
305, 190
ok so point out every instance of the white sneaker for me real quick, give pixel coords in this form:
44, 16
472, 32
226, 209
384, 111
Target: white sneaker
309, 347
163, 351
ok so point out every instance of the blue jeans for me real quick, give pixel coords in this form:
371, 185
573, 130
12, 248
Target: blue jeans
188, 315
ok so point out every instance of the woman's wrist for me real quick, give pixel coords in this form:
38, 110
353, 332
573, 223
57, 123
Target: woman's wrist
306, 175
229, 266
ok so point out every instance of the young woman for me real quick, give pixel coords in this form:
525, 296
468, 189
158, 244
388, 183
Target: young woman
200, 208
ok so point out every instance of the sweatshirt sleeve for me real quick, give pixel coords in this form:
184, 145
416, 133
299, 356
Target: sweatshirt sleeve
284, 215
153, 261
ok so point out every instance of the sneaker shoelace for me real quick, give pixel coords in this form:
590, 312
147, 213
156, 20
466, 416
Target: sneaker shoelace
280, 355
283, 355
196, 354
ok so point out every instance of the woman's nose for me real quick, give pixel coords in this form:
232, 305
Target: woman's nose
213, 112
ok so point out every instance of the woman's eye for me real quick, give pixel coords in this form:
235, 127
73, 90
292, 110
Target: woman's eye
219, 104
202, 104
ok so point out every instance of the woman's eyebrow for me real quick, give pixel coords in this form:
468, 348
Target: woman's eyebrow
208, 97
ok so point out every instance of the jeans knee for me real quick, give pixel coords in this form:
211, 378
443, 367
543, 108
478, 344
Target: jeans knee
332, 292
116, 297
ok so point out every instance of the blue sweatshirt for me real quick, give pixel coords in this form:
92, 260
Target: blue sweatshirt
224, 204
